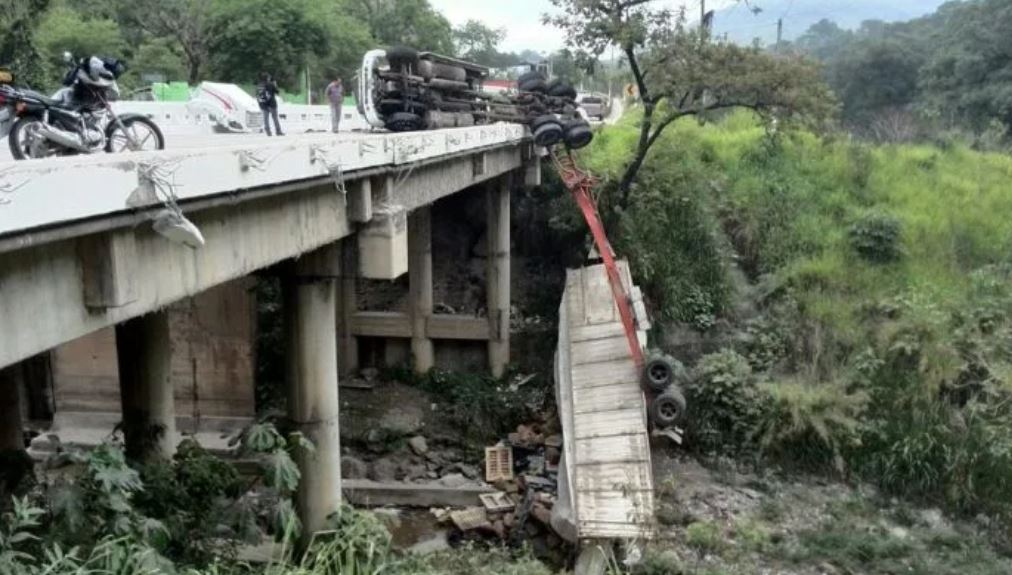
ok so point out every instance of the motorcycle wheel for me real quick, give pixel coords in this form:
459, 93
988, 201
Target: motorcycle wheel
146, 133
22, 139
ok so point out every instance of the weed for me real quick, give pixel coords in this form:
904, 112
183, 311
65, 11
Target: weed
706, 538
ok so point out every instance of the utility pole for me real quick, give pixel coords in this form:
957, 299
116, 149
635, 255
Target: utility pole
780, 32
702, 14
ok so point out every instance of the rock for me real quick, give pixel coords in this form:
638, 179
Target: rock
540, 512
370, 374
553, 541
454, 480
439, 542
933, 519
499, 528
469, 471
353, 468
899, 532
554, 441
415, 472
553, 455
385, 469
509, 520
418, 445
531, 529
432, 475
828, 569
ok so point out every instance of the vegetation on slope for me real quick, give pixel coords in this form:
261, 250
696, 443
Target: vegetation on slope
882, 342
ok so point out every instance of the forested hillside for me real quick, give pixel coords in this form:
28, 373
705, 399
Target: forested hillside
929, 77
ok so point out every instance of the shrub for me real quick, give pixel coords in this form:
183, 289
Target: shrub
723, 403
876, 238
705, 537
809, 425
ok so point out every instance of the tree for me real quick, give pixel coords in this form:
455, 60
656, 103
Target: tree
874, 77
680, 73
252, 36
65, 30
405, 22
477, 42
969, 75
824, 40
187, 22
18, 49
157, 56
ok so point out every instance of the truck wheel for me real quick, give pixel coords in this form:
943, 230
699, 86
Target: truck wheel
402, 56
389, 106
535, 85
668, 408
549, 134
660, 371
578, 134
562, 90
404, 122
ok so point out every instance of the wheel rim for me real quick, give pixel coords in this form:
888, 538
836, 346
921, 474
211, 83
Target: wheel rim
31, 144
658, 374
143, 134
668, 410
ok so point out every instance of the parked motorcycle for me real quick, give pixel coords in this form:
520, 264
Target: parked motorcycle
79, 119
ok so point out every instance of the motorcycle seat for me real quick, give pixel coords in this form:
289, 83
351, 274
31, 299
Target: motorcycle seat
46, 100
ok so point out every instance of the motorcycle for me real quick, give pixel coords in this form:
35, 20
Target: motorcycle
79, 119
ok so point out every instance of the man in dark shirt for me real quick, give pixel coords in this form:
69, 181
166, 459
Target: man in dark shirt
267, 98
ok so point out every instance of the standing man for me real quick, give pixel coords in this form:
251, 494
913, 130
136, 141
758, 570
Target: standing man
267, 97
335, 94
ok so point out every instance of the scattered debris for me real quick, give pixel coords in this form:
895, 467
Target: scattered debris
496, 502
470, 519
418, 445
498, 463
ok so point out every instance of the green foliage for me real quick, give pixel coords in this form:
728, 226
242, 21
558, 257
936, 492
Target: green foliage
706, 538
809, 425
876, 238
275, 37
405, 22
723, 403
482, 407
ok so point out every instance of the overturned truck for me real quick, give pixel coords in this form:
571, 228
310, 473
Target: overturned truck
403, 90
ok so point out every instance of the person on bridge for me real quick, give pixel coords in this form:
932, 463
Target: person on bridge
335, 94
267, 97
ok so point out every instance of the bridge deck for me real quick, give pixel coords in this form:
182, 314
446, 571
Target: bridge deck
39, 194
603, 413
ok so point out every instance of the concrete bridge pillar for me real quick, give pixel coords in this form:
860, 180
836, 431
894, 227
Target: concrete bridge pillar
144, 356
420, 287
310, 307
11, 431
347, 306
497, 200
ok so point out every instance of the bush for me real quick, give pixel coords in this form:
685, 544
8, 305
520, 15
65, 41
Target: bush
724, 403
809, 426
876, 238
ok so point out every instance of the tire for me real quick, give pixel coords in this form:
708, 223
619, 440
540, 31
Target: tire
542, 120
536, 86
549, 134
404, 122
18, 140
661, 371
152, 140
668, 408
578, 135
401, 56
527, 76
562, 90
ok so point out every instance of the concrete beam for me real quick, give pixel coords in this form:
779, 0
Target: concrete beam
420, 287
360, 201
376, 494
310, 306
11, 430
399, 325
108, 269
144, 355
497, 201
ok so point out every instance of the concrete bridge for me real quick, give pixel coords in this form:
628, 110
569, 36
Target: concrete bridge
83, 246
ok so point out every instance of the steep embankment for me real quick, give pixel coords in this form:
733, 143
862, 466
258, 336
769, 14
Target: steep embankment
872, 337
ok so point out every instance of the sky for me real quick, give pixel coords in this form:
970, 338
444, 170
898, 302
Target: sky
522, 19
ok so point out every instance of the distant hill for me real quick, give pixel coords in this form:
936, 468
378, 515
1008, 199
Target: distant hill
743, 26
